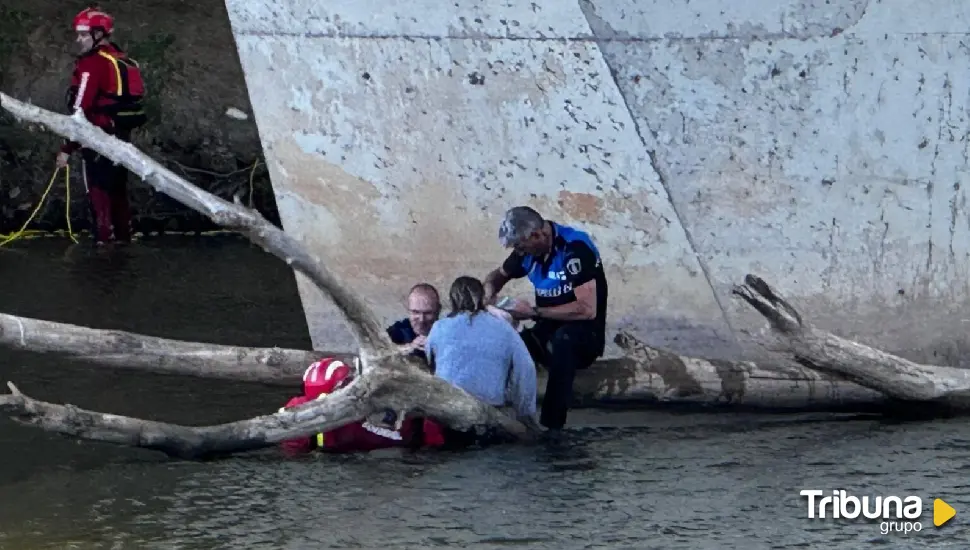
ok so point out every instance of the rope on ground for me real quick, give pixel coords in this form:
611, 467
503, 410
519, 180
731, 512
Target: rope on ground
23, 232
60, 233
252, 174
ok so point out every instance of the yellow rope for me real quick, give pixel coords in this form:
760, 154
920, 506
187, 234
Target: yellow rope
23, 233
67, 200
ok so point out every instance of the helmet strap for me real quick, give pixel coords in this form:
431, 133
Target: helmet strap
98, 34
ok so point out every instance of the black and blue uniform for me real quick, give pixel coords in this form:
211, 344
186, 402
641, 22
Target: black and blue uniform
563, 347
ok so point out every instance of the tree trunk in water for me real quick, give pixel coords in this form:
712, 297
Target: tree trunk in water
649, 374
116, 348
394, 385
869, 367
645, 376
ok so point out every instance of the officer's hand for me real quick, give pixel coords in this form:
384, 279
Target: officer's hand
501, 314
62, 159
519, 309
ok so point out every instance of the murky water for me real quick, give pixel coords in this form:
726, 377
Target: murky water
632, 480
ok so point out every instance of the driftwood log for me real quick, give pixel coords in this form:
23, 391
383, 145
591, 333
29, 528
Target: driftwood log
645, 377
374, 392
388, 379
824, 352
120, 349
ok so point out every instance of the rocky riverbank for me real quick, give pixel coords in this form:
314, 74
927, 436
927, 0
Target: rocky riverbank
194, 77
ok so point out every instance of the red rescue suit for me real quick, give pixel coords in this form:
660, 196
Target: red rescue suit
362, 436
107, 87
328, 375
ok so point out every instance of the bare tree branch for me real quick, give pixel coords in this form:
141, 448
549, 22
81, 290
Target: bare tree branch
394, 387
866, 366
116, 348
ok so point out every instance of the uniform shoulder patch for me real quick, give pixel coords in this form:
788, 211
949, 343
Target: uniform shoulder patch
574, 266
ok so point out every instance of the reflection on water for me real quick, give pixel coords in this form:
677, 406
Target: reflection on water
623, 480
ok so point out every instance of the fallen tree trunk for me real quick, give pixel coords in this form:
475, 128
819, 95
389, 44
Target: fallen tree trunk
645, 376
650, 375
388, 379
185, 441
376, 391
869, 367
116, 348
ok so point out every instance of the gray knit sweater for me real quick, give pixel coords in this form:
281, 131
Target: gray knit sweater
483, 355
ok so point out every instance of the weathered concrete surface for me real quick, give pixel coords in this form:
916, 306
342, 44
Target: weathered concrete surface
821, 145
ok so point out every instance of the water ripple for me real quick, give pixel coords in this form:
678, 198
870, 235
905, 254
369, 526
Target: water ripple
611, 488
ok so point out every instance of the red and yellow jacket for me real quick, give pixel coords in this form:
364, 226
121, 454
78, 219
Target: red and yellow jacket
105, 83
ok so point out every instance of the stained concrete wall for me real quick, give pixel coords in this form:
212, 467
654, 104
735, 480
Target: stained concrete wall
821, 144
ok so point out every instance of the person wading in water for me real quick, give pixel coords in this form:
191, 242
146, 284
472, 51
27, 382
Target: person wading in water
107, 87
481, 353
325, 377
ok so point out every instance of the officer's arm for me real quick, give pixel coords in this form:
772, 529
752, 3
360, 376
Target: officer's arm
580, 268
510, 269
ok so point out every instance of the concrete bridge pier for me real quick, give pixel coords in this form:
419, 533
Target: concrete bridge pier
820, 145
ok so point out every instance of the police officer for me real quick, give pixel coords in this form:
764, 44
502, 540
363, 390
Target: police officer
571, 290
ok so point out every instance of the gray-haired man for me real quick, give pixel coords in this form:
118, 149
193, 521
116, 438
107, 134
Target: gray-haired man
564, 266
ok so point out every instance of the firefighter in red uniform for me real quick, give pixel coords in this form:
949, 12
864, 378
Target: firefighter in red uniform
107, 87
329, 375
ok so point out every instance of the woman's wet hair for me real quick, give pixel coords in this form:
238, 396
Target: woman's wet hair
467, 295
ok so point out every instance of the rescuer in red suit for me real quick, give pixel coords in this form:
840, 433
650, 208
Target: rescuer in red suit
107, 87
329, 375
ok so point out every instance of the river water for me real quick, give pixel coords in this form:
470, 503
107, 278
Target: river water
632, 480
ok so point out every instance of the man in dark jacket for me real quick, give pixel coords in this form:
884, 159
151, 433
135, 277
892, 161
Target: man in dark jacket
424, 307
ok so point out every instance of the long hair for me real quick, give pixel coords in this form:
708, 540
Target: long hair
467, 295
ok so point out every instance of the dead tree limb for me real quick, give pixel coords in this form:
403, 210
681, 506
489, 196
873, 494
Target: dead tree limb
383, 389
412, 389
644, 376
188, 442
648, 374
116, 348
825, 352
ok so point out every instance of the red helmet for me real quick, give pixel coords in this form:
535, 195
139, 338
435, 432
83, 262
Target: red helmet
93, 18
326, 376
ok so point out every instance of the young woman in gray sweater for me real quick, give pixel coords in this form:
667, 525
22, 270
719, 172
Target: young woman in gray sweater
481, 353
